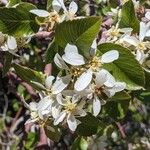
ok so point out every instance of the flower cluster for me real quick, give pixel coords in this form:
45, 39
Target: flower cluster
80, 83
54, 17
138, 43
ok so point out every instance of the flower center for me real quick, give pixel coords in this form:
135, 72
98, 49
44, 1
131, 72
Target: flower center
76, 71
114, 32
141, 46
95, 63
70, 107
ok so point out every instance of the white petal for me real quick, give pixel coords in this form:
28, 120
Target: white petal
110, 80
119, 86
131, 40
60, 118
44, 103
126, 30
56, 109
110, 56
11, 43
40, 12
147, 15
93, 48
48, 81
60, 62
101, 77
60, 84
73, 7
33, 106
142, 32
75, 98
83, 81
96, 106
148, 33
56, 5
60, 99
138, 55
72, 123
72, 56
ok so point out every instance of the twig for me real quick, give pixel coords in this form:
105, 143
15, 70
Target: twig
121, 130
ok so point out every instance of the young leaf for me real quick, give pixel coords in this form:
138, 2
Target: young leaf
126, 69
17, 22
51, 131
81, 32
30, 76
128, 18
7, 62
11, 3
80, 143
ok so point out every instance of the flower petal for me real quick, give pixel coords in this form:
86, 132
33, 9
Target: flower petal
60, 62
73, 7
40, 12
101, 77
131, 40
142, 32
83, 81
60, 84
147, 15
119, 86
33, 106
72, 56
44, 103
96, 106
56, 5
60, 118
60, 99
48, 81
56, 109
110, 56
11, 43
72, 123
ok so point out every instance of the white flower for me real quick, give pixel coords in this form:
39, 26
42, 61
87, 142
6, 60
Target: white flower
80, 69
115, 33
72, 106
57, 5
94, 65
104, 82
59, 85
139, 42
72, 57
10, 45
41, 110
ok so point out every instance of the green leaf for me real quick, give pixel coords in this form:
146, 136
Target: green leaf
31, 140
51, 51
89, 125
51, 131
142, 2
18, 21
81, 32
30, 76
13, 2
116, 109
49, 4
126, 69
80, 143
128, 18
147, 80
7, 62
120, 96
